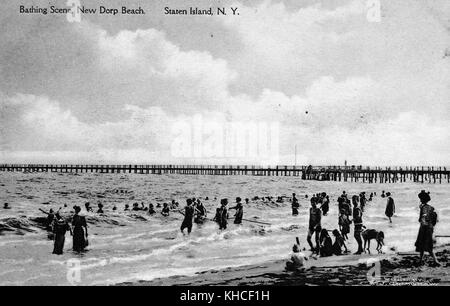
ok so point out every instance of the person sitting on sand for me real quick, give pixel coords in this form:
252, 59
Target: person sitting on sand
427, 220
358, 224
127, 207
247, 201
298, 259
239, 211
151, 209
338, 243
390, 207
166, 210
382, 194
315, 216
60, 227
114, 207
326, 244
295, 205
6, 206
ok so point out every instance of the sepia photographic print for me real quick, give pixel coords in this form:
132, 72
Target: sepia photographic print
200, 143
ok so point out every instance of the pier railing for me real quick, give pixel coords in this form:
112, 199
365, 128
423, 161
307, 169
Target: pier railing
323, 173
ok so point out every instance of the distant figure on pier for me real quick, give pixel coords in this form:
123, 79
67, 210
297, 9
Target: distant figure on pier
6, 206
188, 216
371, 197
79, 235
239, 211
390, 207
295, 205
88, 207
166, 210
358, 224
60, 227
382, 194
427, 220
315, 216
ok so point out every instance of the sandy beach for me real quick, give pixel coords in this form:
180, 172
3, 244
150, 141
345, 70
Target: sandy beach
346, 270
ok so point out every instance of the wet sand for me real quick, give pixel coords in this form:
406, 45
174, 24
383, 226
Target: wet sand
400, 269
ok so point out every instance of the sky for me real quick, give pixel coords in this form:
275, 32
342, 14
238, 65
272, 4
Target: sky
283, 82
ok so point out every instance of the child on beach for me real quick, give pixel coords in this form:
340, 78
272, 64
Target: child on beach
298, 259
326, 244
338, 243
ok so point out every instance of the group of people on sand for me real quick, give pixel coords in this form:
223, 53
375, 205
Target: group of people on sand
58, 226
324, 245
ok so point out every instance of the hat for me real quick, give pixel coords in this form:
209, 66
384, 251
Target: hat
238, 199
388, 193
424, 196
224, 201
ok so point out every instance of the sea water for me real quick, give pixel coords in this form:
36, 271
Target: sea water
130, 246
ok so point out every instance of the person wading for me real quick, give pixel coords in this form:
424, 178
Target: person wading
79, 236
390, 207
295, 205
60, 227
239, 211
188, 216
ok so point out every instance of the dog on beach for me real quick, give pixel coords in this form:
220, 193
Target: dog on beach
370, 234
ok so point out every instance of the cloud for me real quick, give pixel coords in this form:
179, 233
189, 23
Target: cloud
340, 88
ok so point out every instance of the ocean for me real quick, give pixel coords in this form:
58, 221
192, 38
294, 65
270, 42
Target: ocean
128, 246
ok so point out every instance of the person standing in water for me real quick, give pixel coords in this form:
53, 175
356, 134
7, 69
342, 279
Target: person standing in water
239, 211
200, 213
427, 220
60, 227
325, 207
188, 216
223, 214
295, 205
390, 207
358, 225
79, 235
166, 210
315, 216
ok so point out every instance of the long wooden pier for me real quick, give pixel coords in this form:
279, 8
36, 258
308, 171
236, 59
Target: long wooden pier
321, 173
